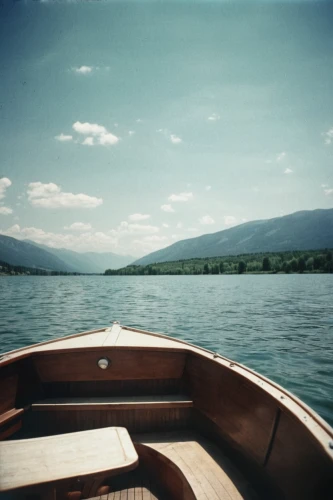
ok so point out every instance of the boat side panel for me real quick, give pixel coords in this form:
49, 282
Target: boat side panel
297, 462
264, 430
10, 419
243, 413
124, 365
9, 383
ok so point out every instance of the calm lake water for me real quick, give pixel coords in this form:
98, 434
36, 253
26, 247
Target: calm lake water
281, 326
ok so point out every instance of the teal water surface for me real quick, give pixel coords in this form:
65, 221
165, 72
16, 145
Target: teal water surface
281, 325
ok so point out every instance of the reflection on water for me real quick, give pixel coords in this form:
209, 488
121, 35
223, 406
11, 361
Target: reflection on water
281, 326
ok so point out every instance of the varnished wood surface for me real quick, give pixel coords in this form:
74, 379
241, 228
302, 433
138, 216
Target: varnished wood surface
124, 365
139, 484
142, 420
114, 403
8, 388
100, 452
130, 493
10, 415
209, 473
244, 413
297, 465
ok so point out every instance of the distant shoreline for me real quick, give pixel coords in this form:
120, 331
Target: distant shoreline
290, 262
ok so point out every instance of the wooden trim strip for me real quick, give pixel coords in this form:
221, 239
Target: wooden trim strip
10, 415
103, 404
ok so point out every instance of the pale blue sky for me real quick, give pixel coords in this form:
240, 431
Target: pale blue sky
227, 106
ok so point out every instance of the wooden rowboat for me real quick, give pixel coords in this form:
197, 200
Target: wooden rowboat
122, 413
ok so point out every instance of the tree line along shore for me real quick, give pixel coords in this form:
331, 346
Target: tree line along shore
312, 261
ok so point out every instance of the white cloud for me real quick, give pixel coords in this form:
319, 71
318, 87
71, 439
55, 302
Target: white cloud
328, 136
229, 220
136, 217
84, 70
139, 120
102, 135
86, 241
208, 188
5, 211
179, 225
89, 141
281, 157
244, 219
165, 225
167, 208
63, 138
154, 238
180, 197
206, 220
214, 117
108, 139
328, 192
51, 196
288, 171
175, 139
324, 186
131, 132
79, 226
4, 184
126, 227
192, 229
89, 128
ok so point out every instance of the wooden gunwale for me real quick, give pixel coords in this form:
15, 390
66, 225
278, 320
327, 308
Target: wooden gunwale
285, 400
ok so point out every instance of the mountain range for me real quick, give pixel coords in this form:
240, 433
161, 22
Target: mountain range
305, 230
31, 254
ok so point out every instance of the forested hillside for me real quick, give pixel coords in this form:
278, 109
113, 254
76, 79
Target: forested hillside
316, 261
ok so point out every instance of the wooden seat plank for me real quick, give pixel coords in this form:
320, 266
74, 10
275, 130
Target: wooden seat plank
95, 453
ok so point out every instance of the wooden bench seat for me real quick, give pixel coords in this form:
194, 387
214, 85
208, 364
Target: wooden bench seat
53, 459
113, 403
209, 473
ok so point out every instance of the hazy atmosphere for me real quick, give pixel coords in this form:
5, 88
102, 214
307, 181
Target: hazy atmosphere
127, 126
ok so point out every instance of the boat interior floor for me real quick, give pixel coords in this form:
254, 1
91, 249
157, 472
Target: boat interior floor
183, 461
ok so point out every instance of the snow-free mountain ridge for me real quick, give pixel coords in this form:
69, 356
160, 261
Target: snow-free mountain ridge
305, 230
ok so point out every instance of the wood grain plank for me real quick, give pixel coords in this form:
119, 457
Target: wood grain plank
125, 365
65, 456
52, 422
